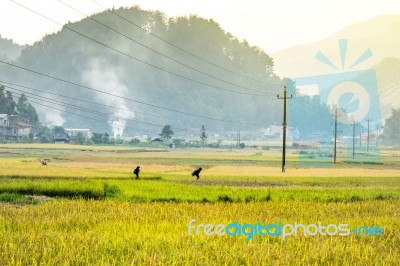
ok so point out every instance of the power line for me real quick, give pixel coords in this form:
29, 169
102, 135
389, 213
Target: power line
126, 98
91, 118
182, 49
157, 52
107, 122
134, 58
335, 137
48, 100
82, 100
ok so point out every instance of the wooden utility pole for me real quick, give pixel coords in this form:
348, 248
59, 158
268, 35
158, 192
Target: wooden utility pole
354, 137
368, 135
335, 138
284, 125
238, 138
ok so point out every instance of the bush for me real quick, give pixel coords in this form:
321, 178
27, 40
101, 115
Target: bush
225, 198
134, 141
111, 191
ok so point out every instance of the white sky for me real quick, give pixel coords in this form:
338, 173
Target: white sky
271, 25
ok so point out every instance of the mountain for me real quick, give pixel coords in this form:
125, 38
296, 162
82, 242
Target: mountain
388, 76
99, 59
9, 50
380, 34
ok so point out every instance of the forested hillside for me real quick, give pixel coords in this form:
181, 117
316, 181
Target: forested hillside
120, 65
9, 50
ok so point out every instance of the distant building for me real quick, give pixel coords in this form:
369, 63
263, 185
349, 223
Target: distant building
276, 132
14, 127
61, 138
4, 120
306, 145
5, 129
71, 132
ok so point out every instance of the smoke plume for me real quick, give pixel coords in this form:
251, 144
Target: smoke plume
101, 75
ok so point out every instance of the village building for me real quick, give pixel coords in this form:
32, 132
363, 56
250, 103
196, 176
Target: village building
14, 127
72, 132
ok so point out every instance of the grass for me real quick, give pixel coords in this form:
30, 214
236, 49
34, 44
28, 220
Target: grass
14, 198
124, 233
98, 214
54, 188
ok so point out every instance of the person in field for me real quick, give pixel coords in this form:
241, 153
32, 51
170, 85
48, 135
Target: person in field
197, 172
136, 171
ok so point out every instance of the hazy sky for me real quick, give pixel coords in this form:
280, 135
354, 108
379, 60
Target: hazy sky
272, 25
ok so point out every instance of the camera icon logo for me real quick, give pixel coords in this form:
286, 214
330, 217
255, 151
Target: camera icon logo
353, 94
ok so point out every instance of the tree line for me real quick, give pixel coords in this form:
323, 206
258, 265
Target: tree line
20, 107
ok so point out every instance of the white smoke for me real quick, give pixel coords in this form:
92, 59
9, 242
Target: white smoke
53, 118
101, 75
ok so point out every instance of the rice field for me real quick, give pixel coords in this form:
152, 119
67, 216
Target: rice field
85, 208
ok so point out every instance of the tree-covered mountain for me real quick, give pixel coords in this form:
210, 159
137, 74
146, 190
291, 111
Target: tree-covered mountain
9, 50
119, 69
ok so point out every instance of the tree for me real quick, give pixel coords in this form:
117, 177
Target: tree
134, 141
106, 138
203, 135
7, 103
166, 132
44, 134
97, 138
391, 130
58, 130
3, 101
22, 105
79, 138
11, 102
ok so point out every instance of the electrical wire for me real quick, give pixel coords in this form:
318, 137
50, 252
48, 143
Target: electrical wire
183, 50
134, 58
49, 100
157, 52
126, 98
85, 101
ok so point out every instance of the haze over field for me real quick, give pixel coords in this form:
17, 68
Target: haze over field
174, 132
186, 83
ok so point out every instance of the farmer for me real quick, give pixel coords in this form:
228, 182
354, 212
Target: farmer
197, 172
136, 171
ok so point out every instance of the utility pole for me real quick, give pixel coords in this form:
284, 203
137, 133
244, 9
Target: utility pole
377, 135
368, 135
284, 125
335, 138
238, 138
354, 137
